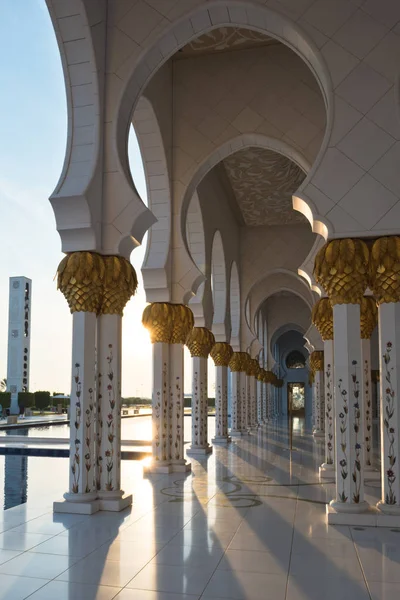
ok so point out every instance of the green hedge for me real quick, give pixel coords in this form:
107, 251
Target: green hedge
26, 399
42, 400
5, 399
187, 403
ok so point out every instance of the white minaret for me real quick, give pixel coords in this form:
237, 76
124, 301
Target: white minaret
19, 338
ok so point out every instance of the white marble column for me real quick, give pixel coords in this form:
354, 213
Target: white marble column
266, 399
245, 401
260, 399
385, 285
82, 494
368, 322
200, 341
317, 365
221, 353
176, 409
327, 469
236, 365
253, 402
109, 366
161, 461
389, 345
349, 424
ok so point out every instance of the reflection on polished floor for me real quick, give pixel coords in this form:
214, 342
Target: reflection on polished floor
247, 524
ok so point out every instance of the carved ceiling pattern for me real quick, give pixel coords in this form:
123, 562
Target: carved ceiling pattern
263, 182
224, 38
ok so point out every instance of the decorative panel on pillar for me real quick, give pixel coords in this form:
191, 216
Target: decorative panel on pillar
341, 267
368, 321
200, 341
182, 325
236, 364
221, 353
385, 284
317, 367
253, 369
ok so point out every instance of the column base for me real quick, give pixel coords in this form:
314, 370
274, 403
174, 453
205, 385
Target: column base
115, 504
223, 439
181, 466
373, 517
236, 434
156, 466
388, 509
366, 517
198, 450
78, 504
327, 471
317, 433
349, 507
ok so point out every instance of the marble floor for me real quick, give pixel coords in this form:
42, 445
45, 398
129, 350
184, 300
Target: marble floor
247, 524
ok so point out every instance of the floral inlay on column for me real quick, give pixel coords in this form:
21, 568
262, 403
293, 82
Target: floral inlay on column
99, 433
368, 414
75, 463
343, 444
109, 452
356, 426
389, 410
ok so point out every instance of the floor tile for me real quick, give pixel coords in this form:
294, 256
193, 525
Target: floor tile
384, 590
246, 586
128, 594
43, 566
94, 571
313, 588
21, 541
61, 590
18, 588
188, 556
167, 578
6, 555
254, 562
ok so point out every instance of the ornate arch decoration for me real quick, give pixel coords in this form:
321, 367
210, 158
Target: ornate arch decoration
154, 269
216, 14
284, 329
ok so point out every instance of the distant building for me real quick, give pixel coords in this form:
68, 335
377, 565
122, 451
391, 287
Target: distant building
19, 329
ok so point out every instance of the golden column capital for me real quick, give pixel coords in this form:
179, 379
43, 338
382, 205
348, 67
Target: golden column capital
278, 383
341, 267
322, 318
385, 269
269, 377
200, 341
80, 277
238, 362
368, 316
158, 318
221, 353
120, 284
261, 375
317, 361
183, 323
253, 367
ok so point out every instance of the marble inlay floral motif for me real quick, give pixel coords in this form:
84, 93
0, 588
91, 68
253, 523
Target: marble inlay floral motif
329, 415
388, 422
263, 183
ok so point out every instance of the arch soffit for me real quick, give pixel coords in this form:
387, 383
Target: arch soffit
285, 280
146, 124
201, 20
234, 300
218, 278
284, 329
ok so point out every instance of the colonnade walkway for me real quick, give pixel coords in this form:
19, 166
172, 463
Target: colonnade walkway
248, 523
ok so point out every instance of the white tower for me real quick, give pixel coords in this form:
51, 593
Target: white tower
19, 339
